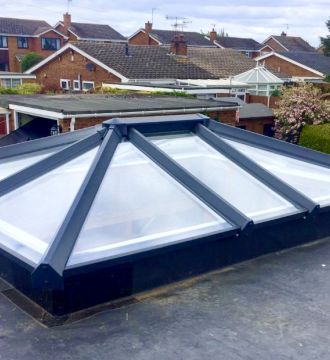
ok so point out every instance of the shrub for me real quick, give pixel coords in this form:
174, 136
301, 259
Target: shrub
24, 89
30, 60
297, 107
316, 137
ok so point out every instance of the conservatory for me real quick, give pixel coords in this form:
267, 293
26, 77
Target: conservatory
263, 81
101, 214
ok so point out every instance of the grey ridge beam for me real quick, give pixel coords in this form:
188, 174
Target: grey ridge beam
256, 170
51, 162
49, 272
44, 143
190, 182
267, 143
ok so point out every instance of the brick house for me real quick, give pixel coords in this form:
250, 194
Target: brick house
19, 37
88, 32
150, 36
284, 43
85, 65
298, 65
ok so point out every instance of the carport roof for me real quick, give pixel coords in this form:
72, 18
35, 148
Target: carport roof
96, 103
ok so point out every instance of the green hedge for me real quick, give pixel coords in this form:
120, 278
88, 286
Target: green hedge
316, 137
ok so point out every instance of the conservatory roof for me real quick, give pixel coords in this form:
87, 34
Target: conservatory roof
140, 185
258, 75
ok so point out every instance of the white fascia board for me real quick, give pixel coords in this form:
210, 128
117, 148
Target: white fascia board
136, 32
36, 112
81, 52
218, 45
262, 57
54, 30
17, 76
142, 30
266, 46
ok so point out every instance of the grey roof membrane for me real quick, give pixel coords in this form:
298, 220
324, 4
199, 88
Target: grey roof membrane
273, 307
75, 104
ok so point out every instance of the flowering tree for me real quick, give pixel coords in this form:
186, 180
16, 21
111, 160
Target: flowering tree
299, 106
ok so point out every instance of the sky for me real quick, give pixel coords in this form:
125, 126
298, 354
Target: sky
258, 19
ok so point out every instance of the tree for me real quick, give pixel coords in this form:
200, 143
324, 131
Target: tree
297, 107
325, 41
30, 60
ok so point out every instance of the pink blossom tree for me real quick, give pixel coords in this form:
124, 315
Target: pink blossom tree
298, 106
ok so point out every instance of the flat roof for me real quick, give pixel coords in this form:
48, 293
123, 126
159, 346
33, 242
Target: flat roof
102, 103
273, 307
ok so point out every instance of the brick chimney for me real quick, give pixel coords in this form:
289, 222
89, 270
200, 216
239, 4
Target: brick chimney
179, 46
213, 35
66, 22
283, 33
148, 30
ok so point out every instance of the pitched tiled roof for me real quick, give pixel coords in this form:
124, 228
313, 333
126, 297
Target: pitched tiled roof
11, 26
193, 38
144, 62
220, 62
96, 31
238, 43
313, 60
294, 43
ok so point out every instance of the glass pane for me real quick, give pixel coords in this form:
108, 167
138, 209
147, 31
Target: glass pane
31, 215
311, 180
232, 183
139, 206
17, 163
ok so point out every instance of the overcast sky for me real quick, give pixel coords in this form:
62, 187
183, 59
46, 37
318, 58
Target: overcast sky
258, 20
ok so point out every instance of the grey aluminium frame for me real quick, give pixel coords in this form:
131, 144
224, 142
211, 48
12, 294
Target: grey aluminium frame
270, 180
190, 182
49, 272
267, 143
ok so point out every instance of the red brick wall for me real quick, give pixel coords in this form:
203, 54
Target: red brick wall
60, 28
286, 67
141, 39
256, 125
3, 128
226, 117
257, 99
70, 65
34, 46
274, 45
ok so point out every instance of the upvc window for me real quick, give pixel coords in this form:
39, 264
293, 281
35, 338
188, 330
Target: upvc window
50, 43
3, 42
11, 83
87, 85
65, 84
22, 42
76, 85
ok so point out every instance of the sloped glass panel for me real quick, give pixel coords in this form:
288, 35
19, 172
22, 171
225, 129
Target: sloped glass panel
232, 183
311, 180
17, 163
31, 215
139, 206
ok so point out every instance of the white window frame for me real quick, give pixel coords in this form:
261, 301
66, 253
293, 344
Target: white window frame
67, 81
76, 88
87, 82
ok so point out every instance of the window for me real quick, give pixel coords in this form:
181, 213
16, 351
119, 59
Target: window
50, 43
76, 85
65, 84
87, 85
3, 42
10, 83
22, 42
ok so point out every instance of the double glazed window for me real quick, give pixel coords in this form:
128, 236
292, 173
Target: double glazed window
10, 83
22, 42
3, 42
65, 84
50, 43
